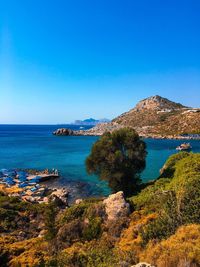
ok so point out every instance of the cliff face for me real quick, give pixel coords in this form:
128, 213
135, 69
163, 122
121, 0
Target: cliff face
155, 117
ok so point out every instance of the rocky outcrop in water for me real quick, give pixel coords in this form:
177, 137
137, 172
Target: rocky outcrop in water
64, 131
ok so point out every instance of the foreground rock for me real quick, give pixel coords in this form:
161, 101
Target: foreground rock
116, 206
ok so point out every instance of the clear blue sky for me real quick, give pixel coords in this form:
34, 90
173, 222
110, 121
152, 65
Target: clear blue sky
63, 60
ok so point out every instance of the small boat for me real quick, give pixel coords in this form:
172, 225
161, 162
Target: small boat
184, 147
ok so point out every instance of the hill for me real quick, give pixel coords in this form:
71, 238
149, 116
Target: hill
155, 117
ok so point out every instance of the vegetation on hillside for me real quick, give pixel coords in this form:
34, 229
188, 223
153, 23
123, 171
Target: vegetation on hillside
163, 227
152, 122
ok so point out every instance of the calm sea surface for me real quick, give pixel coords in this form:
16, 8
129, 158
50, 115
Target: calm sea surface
34, 146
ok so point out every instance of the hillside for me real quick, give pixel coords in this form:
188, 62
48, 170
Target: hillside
160, 225
155, 117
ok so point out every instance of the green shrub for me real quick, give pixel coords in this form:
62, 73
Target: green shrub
50, 221
99, 253
87, 208
70, 232
147, 198
74, 212
179, 203
167, 221
92, 229
170, 165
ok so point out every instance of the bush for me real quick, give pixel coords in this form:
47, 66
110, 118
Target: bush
148, 198
170, 165
74, 212
181, 249
99, 253
92, 230
179, 203
167, 222
50, 221
69, 233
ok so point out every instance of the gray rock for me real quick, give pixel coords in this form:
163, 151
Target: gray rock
63, 131
60, 196
116, 206
143, 264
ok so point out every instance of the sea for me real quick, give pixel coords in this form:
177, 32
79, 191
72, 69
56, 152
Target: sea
35, 147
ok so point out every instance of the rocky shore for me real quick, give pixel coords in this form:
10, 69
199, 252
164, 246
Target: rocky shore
110, 127
28, 186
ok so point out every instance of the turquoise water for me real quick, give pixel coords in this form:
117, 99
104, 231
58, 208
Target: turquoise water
32, 146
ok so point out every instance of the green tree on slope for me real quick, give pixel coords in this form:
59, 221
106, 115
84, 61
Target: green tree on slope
118, 158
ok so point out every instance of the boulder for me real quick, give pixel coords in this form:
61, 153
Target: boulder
143, 264
116, 206
63, 131
78, 201
60, 197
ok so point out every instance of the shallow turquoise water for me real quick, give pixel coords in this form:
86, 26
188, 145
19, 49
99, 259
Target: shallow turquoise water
34, 146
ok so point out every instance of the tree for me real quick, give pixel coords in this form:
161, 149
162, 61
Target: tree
118, 158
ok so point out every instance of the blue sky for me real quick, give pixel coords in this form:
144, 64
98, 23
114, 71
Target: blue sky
63, 60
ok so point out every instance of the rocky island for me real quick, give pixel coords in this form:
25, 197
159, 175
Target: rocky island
90, 121
153, 117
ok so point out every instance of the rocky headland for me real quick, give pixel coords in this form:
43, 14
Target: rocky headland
153, 117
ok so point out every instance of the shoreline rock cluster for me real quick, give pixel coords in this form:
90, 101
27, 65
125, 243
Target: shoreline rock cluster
42, 195
110, 127
27, 186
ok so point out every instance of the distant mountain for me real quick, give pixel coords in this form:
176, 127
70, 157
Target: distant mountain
155, 117
90, 121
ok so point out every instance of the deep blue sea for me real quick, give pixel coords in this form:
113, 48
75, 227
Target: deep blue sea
34, 147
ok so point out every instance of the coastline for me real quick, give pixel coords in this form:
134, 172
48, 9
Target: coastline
97, 131
23, 185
